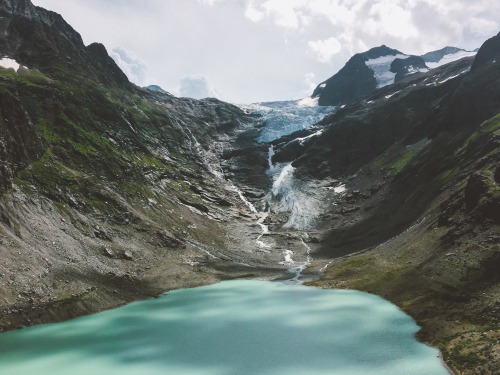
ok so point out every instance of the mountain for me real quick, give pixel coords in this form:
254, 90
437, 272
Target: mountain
378, 67
110, 192
362, 74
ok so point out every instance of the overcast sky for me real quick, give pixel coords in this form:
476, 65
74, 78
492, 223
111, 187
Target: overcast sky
245, 51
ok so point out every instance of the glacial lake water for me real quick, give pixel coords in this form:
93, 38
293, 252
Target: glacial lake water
230, 328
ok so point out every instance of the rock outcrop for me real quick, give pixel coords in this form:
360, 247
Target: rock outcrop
407, 66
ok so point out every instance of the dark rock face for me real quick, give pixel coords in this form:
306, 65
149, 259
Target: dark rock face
42, 39
482, 195
488, 54
376, 52
19, 143
18, 7
476, 188
352, 82
104, 63
29, 29
420, 163
404, 67
355, 80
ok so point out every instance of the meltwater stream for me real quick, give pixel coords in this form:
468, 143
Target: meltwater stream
230, 328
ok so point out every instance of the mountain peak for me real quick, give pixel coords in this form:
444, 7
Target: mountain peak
361, 75
380, 51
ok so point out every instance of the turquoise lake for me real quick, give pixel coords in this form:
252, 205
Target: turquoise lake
230, 328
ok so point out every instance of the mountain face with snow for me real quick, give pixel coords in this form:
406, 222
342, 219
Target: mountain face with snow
362, 74
378, 67
445, 55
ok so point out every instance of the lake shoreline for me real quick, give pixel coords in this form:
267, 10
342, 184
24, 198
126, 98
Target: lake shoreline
270, 317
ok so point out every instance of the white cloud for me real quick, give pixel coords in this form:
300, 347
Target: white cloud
325, 49
483, 27
210, 2
287, 14
387, 17
134, 67
309, 83
197, 87
254, 14
414, 26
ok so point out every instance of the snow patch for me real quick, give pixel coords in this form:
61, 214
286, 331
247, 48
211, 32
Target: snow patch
450, 58
303, 139
9, 63
381, 67
339, 189
413, 70
390, 95
454, 76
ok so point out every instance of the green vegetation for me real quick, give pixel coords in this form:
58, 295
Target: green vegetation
403, 160
490, 126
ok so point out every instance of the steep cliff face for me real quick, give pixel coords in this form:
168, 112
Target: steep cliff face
19, 142
352, 82
488, 54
